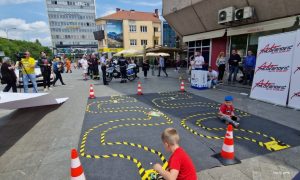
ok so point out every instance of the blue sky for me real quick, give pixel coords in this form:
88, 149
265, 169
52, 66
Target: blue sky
30, 17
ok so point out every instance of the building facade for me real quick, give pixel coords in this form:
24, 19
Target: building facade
227, 25
72, 24
169, 35
129, 30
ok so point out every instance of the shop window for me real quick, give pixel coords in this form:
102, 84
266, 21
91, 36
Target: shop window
206, 42
192, 44
239, 43
191, 52
198, 49
198, 43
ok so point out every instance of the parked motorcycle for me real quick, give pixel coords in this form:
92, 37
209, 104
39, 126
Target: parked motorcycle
114, 72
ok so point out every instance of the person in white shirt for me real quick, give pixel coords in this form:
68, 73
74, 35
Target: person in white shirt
212, 78
103, 62
199, 61
221, 63
162, 66
84, 65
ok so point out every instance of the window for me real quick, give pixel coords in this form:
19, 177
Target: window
143, 28
133, 42
155, 42
144, 42
155, 29
53, 2
132, 28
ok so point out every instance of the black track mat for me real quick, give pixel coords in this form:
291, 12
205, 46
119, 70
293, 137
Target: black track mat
120, 140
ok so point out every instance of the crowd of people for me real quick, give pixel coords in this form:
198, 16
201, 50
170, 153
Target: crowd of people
26, 66
91, 65
234, 64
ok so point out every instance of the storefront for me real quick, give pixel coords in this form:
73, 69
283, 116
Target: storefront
241, 38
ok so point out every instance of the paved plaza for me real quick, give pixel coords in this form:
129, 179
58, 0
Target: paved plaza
117, 134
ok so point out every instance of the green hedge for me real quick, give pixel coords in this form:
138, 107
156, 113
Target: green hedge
11, 47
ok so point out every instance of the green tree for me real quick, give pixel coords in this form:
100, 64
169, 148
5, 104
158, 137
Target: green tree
13, 47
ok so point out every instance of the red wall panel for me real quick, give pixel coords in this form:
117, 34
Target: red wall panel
218, 45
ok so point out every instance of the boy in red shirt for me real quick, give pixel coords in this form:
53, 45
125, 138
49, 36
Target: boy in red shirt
180, 166
226, 112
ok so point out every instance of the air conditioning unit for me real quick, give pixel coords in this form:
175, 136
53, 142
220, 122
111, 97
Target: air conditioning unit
226, 15
243, 13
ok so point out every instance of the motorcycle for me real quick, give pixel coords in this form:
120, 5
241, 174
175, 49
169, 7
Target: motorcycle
114, 72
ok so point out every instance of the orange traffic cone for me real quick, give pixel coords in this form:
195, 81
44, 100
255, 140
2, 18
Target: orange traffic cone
139, 89
92, 94
226, 157
76, 167
182, 87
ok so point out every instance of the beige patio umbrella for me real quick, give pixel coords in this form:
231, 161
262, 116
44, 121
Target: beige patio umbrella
157, 54
130, 52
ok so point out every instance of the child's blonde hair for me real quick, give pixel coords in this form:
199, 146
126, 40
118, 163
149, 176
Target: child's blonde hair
170, 136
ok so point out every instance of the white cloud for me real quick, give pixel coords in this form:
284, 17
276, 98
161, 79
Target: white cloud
5, 2
22, 30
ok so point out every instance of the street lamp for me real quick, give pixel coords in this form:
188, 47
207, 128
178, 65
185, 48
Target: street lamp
6, 31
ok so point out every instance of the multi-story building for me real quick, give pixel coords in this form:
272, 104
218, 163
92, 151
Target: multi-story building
129, 30
72, 23
234, 24
169, 35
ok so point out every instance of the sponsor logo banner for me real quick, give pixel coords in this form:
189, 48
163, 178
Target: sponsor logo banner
270, 67
275, 49
268, 85
274, 68
294, 100
297, 94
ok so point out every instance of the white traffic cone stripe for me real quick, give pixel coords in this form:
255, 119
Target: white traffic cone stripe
75, 163
228, 148
81, 177
229, 135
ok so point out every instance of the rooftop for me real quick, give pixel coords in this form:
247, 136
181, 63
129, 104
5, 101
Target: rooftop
132, 15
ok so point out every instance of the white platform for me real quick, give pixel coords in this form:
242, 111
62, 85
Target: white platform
24, 100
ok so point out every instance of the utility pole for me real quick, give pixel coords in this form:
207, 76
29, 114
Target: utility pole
6, 31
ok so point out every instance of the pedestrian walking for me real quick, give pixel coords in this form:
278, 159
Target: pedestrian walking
145, 67
8, 75
103, 61
162, 66
221, 64
68, 65
27, 65
233, 62
45, 66
57, 69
